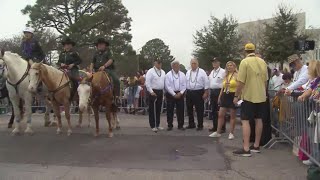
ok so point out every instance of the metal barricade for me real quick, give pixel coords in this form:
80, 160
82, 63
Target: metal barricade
297, 123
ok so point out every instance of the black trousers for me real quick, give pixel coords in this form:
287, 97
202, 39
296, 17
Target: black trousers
155, 103
194, 98
214, 96
171, 103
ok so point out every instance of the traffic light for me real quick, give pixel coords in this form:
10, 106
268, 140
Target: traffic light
304, 45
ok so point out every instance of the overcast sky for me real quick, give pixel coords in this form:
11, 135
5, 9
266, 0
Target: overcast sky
174, 21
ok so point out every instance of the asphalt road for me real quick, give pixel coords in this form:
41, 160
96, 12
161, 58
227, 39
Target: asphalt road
135, 153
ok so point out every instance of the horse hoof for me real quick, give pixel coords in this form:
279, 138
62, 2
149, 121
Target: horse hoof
110, 135
96, 134
79, 126
47, 123
29, 131
58, 131
53, 124
69, 133
15, 132
9, 126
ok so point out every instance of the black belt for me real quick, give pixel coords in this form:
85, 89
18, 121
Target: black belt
199, 90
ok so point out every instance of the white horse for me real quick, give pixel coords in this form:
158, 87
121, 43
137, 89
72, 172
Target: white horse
17, 85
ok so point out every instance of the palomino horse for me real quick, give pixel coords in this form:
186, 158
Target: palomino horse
58, 84
17, 85
100, 93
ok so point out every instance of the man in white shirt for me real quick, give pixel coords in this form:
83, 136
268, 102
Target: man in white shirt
277, 80
175, 85
197, 92
155, 84
300, 77
215, 84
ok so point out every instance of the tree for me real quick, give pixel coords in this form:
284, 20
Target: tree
11, 44
155, 49
218, 39
279, 37
84, 21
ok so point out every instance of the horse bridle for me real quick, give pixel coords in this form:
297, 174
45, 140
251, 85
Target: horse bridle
59, 87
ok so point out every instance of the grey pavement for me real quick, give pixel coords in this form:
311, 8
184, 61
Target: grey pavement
136, 153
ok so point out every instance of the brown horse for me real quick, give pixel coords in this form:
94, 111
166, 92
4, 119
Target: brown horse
100, 93
58, 84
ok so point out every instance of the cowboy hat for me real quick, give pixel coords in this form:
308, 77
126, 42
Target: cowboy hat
102, 41
68, 41
293, 58
215, 59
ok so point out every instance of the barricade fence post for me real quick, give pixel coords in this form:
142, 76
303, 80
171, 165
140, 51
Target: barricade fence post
297, 123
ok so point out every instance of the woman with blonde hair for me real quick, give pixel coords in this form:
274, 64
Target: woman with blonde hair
226, 100
314, 75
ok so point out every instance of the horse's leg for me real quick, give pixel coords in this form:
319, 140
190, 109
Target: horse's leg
28, 106
67, 114
17, 118
80, 119
88, 113
109, 118
96, 118
47, 121
11, 119
56, 110
115, 115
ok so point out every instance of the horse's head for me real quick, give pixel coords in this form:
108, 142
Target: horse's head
35, 76
1, 53
3, 72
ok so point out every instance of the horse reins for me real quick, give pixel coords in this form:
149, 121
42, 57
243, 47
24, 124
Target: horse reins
53, 92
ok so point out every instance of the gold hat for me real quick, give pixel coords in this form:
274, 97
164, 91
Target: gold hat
293, 58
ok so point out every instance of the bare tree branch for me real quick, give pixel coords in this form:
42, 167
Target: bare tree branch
67, 11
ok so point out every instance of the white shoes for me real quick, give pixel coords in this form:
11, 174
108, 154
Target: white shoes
160, 128
307, 162
231, 136
215, 135
154, 129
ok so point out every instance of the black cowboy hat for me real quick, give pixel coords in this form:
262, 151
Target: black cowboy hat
102, 41
215, 59
68, 41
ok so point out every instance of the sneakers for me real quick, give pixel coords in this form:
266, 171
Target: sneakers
160, 128
231, 136
154, 129
199, 128
254, 149
181, 128
215, 135
242, 153
307, 162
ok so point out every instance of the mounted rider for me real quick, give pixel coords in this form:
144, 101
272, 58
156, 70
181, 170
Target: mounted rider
103, 61
31, 49
70, 60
